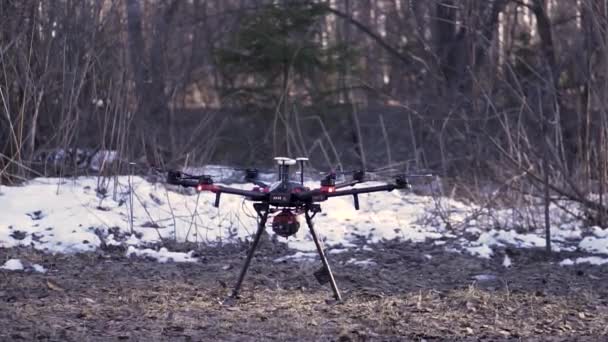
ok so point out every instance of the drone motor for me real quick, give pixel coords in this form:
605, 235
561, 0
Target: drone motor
285, 223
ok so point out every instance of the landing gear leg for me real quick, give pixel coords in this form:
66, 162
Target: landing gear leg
326, 269
262, 211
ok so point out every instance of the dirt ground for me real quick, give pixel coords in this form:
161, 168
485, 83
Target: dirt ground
416, 292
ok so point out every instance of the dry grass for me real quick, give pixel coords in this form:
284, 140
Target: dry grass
100, 297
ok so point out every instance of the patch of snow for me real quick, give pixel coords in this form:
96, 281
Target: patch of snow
39, 268
12, 265
565, 233
482, 247
296, 256
162, 255
453, 250
594, 244
72, 215
507, 261
364, 263
593, 260
112, 241
599, 232
482, 251
510, 237
133, 241
558, 248
338, 250
484, 277
102, 158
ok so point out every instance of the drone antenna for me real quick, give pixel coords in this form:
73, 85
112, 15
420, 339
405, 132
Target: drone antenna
302, 160
284, 164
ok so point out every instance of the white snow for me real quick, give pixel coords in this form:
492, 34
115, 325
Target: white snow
12, 265
593, 260
363, 263
599, 232
83, 214
507, 261
162, 255
484, 277
482, 251
594, 244
338, 250
39, 268
101, 159
18, 265
69, 215
297, 256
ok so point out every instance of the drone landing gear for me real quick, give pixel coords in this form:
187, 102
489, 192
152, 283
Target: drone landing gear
324, 275
262, 211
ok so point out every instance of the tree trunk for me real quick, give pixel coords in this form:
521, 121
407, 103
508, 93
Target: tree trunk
151, 116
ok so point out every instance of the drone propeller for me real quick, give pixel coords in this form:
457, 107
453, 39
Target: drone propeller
224, 174
400, 179
360, 174
178, 177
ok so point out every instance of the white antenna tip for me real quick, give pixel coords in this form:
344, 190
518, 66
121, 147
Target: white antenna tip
285, 161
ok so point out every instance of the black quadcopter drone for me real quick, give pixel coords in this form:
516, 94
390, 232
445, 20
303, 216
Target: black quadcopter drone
285, 200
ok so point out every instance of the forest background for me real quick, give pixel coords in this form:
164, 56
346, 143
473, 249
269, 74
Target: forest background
506, 99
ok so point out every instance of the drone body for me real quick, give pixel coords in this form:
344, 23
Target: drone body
286, 200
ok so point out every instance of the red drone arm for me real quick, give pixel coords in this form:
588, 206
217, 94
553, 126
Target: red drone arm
205, 183
327, 191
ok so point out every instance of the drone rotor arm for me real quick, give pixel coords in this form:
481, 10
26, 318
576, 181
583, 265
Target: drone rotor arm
180, 178
347, 184
188, 183
311, 195
218, 190
326, 192
205, 183
357, 191
253, 195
